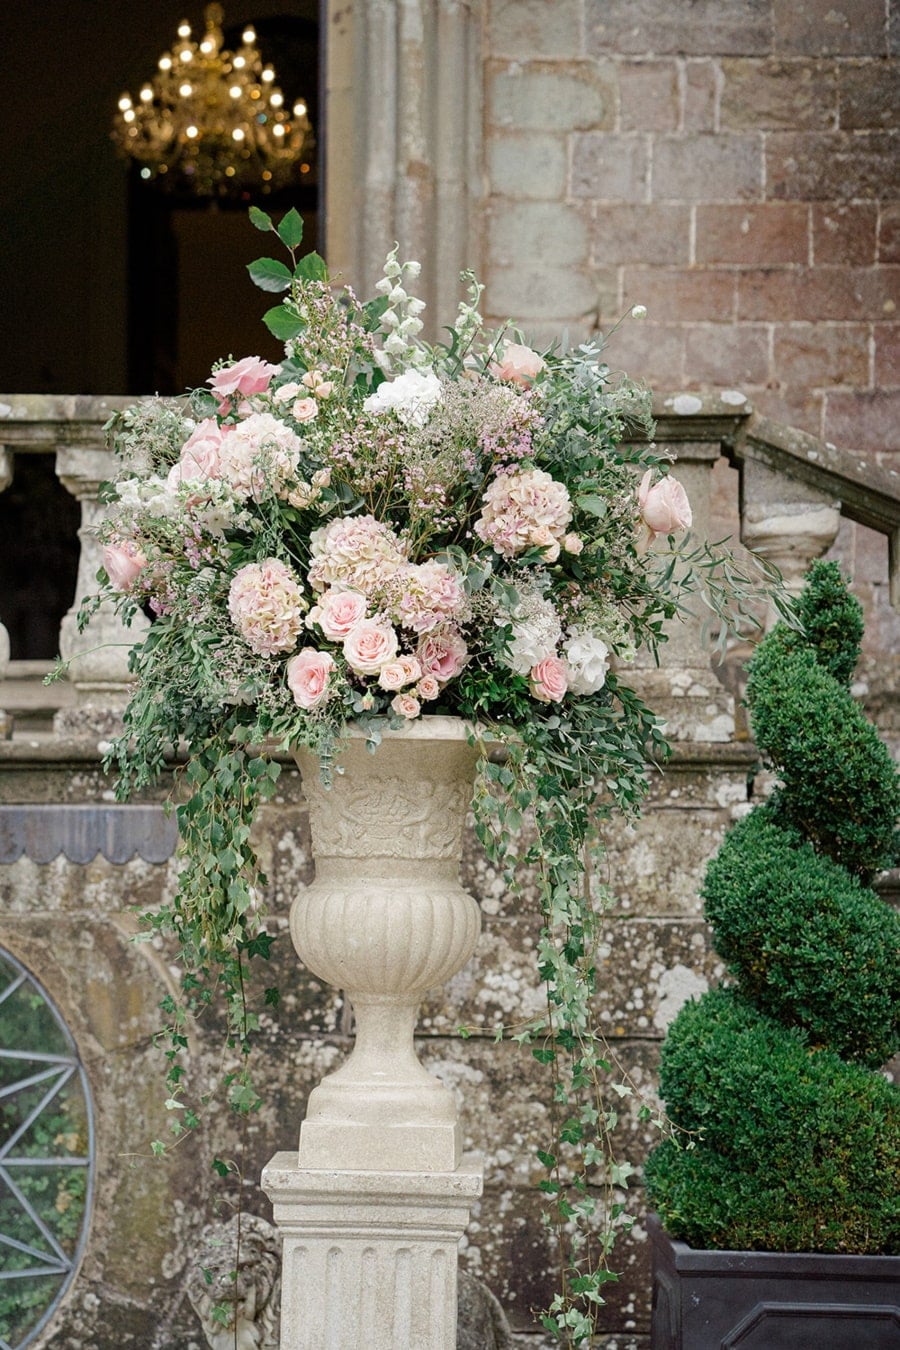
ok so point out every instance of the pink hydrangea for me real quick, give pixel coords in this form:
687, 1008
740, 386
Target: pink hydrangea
525, 510
250, 376
266, 606
355, 551
426, 595
442, 653
259, 456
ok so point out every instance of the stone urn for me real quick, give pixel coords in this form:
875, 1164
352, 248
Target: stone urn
386, 919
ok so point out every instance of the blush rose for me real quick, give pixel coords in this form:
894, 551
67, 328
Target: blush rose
124, 563
308, 675
517, 364
247, 377
664, 506
370, 646
549, 679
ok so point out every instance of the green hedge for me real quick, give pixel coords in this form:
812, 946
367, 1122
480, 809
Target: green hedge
805, 939
786, 1137
785, 1147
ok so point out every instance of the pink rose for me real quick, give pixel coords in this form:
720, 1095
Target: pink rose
201, 454
664, 507
545, 539
396, 674
305, 409
549, 679
573, 544
428, 688
338, 613
369, 646
517, 364
124, 563
247, 377
406, 705
307, 675
442, 654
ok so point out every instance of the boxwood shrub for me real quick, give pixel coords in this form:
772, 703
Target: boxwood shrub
786, 1137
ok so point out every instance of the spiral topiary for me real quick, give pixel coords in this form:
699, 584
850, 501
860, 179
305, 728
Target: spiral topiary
787, 1138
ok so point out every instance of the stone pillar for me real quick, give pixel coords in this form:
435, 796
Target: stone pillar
684, 690
6, 477
787, 522
404, 145
99, 654
370, 1258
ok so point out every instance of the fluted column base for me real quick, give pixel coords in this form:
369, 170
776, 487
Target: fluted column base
369, 1258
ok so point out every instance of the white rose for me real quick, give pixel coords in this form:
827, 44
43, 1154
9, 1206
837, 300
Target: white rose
588, 661
411, 396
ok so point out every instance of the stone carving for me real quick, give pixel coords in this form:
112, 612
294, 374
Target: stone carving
386, 919
252, 1247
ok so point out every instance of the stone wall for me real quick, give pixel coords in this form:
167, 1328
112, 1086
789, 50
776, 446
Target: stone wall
730, 164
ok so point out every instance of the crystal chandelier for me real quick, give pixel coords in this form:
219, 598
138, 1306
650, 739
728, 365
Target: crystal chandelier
213, 122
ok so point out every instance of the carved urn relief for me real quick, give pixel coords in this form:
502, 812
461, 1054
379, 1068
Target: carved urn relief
386, 919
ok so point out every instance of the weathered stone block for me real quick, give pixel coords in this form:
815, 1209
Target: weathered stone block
819, 27
832, 166
641, 962
695, 295
535, 229
706, 27
540, 290
844, 235
653, 352
867, 420
523, 27
843, 293
610, 168
702, 168
702, 81
656, 866
731, 356
550, 96
772, 94
869, 92
648, 96
887, 352
640, 234
527, 164
822, 354
767, 234
889, 234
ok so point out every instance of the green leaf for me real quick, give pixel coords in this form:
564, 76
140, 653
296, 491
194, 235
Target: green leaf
594, 505
290, 228
311, 268
283, 323
221, 1167
260, 219
269, 274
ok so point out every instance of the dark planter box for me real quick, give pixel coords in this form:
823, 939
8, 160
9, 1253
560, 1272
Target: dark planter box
705, 1300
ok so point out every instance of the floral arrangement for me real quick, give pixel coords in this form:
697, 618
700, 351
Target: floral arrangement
373, 530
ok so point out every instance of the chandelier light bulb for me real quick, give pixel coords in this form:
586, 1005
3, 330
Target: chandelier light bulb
220, 130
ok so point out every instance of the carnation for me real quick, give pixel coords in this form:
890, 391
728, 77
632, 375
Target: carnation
524, 510
355, 551
266, 606
411, 396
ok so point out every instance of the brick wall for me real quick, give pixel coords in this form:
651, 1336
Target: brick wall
730, 164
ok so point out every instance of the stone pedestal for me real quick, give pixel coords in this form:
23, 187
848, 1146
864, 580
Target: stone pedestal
369, 1257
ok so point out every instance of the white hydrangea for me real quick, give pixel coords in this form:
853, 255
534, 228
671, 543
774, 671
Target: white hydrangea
536, 630
412, 396
588, 660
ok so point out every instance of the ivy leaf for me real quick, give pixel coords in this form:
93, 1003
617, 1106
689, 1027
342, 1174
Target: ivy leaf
283, 323
311, 268
290, 228
260, 219
269, 274
221, 1167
